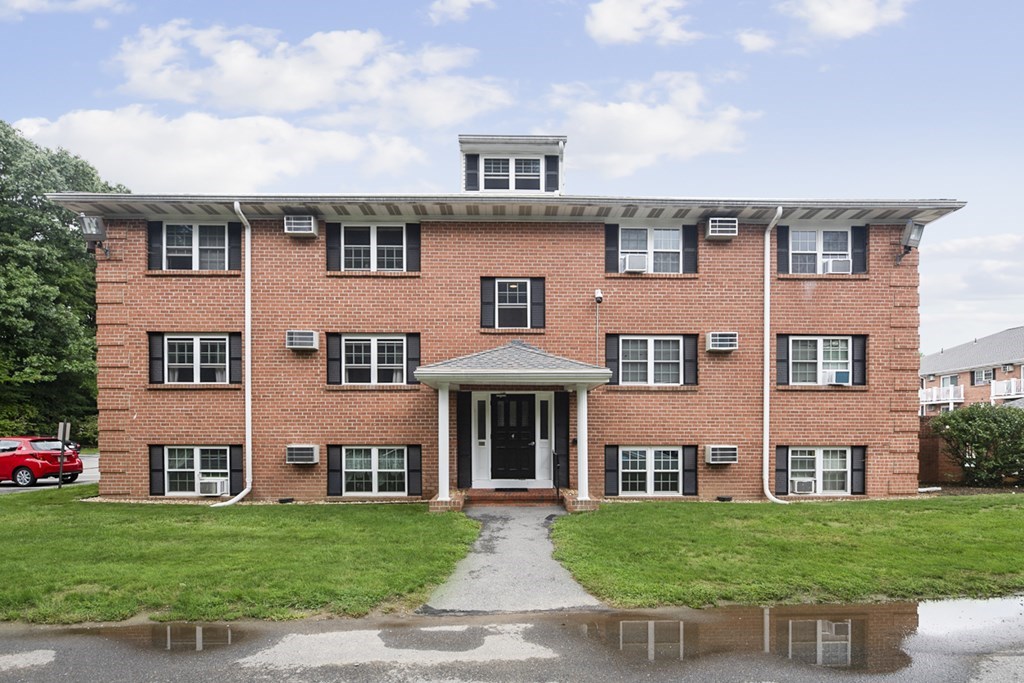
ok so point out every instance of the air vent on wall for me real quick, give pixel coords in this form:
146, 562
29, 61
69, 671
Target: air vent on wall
302, 454
721, 455
722, 228
301, 226
302, 340
723, 341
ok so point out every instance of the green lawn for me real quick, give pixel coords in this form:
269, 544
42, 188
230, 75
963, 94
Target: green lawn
700, 554
66, 561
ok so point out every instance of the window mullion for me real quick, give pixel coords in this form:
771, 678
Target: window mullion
196, 361
373, 248
649, 459
195, 247
373, 360
374, 469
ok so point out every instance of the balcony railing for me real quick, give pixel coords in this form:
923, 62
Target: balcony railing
954, 394
1007, 389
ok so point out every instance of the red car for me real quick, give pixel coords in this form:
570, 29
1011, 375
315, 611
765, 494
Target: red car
24, 459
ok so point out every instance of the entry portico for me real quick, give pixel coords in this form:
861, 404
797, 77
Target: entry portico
512, 421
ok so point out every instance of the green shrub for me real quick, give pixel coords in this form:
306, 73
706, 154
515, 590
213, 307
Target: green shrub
986, 441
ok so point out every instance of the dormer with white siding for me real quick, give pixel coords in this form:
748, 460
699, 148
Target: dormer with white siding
517, 164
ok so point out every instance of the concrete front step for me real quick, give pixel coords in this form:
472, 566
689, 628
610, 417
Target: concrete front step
516, 497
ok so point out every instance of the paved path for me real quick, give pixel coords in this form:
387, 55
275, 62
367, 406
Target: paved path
510, 568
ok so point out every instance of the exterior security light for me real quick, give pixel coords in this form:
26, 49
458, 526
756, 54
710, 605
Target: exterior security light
93, 228
912, 234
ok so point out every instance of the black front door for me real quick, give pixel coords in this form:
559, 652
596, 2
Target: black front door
513, 437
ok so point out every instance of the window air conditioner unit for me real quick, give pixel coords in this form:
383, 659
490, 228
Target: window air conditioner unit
835, 377
721, 455
301, 454
302, 340
213, 487
802, 485
301, 226
722, 228
837, 265
723, 341
633, 263
839, 629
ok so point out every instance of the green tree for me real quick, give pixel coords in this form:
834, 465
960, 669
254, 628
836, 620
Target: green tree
986, 441
47, 290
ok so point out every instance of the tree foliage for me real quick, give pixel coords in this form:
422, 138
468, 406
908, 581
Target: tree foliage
47, 290
986, 441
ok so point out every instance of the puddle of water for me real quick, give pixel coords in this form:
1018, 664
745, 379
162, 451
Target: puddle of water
171, 637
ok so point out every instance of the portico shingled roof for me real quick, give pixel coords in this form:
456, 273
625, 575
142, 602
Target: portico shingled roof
513, 363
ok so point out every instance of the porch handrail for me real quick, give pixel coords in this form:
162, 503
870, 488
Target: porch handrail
941, 394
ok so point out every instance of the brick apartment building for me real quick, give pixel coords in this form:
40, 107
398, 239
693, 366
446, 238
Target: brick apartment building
989, 369
508, 336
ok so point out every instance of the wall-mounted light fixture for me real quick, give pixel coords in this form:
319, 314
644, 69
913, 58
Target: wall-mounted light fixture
911, 238
94, 230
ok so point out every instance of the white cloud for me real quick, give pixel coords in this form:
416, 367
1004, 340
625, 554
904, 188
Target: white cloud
631, 21
15, 9
664, 118
454, 10
353, 75
754, 41
845, 18
201, 153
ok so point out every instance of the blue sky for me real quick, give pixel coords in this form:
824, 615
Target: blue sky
696, 98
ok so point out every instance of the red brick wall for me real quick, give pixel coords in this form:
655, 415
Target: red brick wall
293, 404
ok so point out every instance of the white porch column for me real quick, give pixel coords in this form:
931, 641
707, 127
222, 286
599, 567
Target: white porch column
443, 444
582, 439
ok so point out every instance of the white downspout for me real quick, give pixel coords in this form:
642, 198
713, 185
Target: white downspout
248, 360
766, 386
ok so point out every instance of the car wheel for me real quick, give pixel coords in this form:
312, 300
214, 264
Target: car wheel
68, 478
23, 477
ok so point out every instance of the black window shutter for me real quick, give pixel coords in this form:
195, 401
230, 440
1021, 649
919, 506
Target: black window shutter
414, 469
235, 358
487, 302
859, 252
333, 358
611, 470
611, 248
237, 470
234, 246
690, 359
333, 246
781, 470
464, 439
155, 242
690, 248
860, 360
611, 356
537, 302
562, 439
551, 173
412, 357
782, 236
412, 247
472, 172
782, 359
156, 358
156, 470
857, 470
689, 470
334, 487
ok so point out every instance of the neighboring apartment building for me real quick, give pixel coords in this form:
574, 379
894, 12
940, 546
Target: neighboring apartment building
989, 369
506, 337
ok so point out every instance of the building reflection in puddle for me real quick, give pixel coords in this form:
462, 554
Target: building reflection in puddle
178, 637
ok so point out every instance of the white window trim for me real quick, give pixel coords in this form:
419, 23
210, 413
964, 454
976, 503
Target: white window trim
196, 360
819, 470
988, 375
651, 251
512, 171
949, 381
375, 470
374, 268
196, 469
650, 360
195, 242
498, 305
819, 249
820, 358
374, 339
649, 471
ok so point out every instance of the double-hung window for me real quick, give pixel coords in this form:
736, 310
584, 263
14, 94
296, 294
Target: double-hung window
650, 471
186, 466
370, 470
819, 470
373, 247
196, 359
819, 251
506, 173
513, 303
195, 247
660, 248
373, 359
820, 360
651, 360
984, 376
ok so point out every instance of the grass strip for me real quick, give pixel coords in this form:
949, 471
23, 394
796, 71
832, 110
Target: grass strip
700, 554
68, 562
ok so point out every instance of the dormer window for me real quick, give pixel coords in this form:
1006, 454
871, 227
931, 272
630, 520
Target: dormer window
525, 175
511, 163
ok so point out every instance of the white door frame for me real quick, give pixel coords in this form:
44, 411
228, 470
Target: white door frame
481, 460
